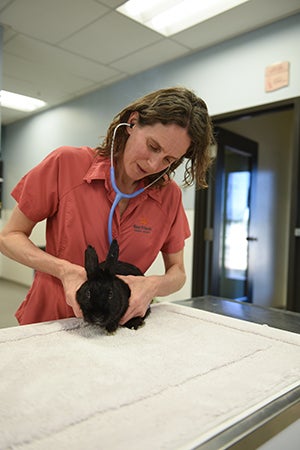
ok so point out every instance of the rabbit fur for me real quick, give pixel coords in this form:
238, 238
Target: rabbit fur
103, 298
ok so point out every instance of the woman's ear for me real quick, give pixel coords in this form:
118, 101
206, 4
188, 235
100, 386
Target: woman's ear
133, 120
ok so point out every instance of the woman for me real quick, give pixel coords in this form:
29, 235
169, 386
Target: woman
71, 188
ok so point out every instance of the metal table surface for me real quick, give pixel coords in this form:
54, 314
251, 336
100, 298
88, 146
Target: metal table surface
281, 414
276, 318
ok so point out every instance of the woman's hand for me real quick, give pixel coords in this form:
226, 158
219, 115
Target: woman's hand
144, 289
72, 279
142, 292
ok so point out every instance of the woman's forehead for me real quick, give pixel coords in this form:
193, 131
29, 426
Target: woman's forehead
171, 138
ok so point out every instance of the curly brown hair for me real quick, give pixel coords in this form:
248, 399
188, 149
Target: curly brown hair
175, 105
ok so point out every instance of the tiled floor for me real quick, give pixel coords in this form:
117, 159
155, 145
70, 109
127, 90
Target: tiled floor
11, 295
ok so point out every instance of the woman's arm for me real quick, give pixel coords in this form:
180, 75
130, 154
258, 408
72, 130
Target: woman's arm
144, 289
15, 243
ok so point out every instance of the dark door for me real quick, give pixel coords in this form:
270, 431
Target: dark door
293, 288
227, 233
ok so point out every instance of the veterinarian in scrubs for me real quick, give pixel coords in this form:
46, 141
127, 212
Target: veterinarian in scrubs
72, 190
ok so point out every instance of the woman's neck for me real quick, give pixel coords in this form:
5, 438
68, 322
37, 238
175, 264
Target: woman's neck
124, 183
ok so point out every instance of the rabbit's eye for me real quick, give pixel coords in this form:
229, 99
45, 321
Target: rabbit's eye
110, 294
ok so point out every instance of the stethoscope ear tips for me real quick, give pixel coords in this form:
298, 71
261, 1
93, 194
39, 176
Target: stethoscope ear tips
131, 125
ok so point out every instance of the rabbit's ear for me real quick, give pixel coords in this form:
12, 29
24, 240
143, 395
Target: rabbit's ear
112, 257
91, 261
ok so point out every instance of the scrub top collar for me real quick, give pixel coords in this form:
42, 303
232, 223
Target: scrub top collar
100, 170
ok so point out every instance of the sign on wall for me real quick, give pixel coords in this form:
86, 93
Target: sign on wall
277, 76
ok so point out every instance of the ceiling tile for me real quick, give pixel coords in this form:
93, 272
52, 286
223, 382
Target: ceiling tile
10, 115
48, 55
112, 3
3, 3
100, 42
42, 81
52, 20
150, 56
246, 17
8, 33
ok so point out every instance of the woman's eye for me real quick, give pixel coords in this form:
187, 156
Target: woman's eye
154, 148
169, 160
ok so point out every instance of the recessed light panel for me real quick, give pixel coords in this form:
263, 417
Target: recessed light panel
168, 17
20, 102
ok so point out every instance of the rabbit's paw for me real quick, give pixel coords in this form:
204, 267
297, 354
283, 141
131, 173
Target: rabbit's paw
135, 323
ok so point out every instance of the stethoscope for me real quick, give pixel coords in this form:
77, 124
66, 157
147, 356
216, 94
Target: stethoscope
119, 194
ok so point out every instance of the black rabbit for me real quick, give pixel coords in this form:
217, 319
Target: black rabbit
103, 298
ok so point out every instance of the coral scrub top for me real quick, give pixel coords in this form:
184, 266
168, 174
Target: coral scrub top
71, 189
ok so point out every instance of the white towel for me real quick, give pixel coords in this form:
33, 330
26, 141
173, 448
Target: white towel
183, 377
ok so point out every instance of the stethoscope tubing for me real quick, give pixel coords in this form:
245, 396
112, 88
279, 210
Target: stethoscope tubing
119, 194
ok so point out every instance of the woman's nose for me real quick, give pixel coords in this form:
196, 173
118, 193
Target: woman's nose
155, 163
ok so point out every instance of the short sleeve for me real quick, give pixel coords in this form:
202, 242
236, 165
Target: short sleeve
179, 230
37, 191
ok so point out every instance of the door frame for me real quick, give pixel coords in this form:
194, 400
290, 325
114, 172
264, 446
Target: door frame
236, 142
203, 217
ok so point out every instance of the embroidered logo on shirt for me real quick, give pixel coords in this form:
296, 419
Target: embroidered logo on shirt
142, 226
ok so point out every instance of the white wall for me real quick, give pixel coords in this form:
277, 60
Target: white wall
229, 77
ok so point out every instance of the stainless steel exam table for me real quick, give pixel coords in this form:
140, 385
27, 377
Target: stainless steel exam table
279, 415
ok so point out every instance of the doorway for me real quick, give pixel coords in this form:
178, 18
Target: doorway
235, 175
273, 269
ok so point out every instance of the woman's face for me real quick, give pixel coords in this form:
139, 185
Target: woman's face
151, 149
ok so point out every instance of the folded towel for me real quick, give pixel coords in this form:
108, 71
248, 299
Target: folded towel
183, 377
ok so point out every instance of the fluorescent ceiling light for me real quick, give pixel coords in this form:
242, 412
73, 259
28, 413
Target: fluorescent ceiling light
20, 102
168, 17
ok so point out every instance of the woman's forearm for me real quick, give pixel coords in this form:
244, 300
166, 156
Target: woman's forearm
17, 246
173, 280
15, 243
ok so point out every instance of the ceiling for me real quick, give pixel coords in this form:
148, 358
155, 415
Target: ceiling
58, 50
